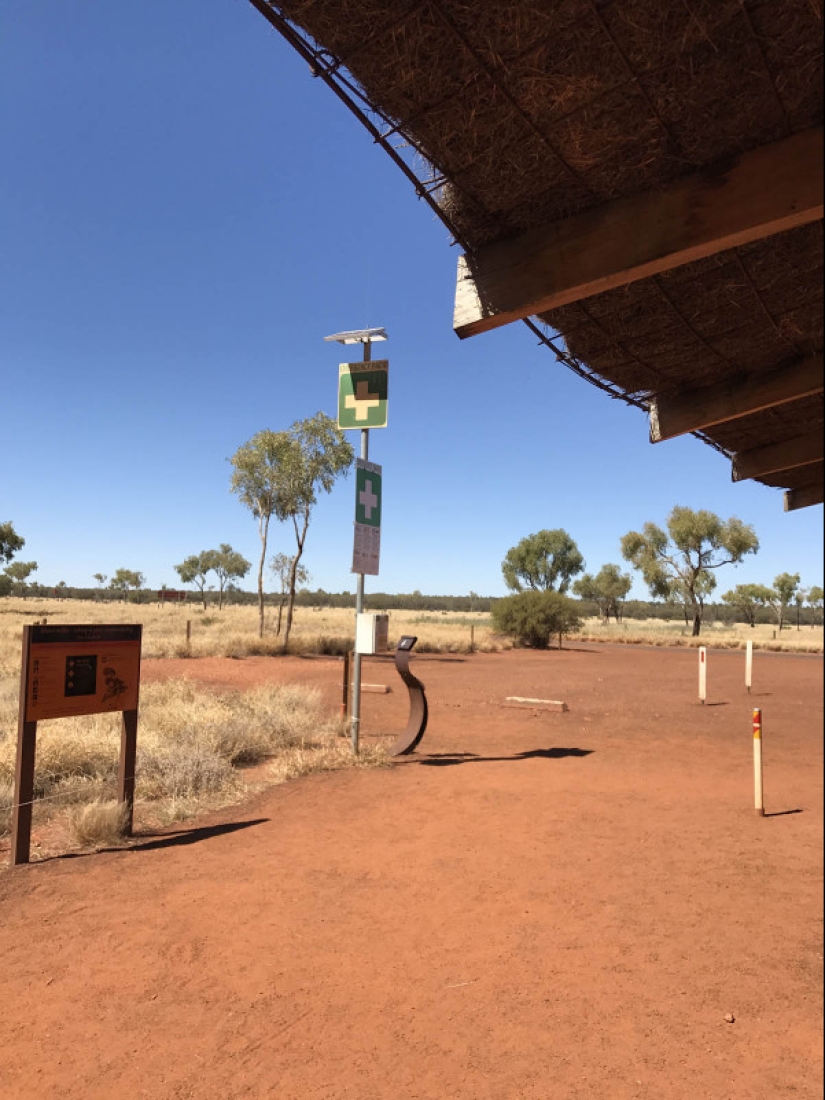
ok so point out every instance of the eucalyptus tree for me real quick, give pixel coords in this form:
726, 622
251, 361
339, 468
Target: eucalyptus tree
124, 579
747, 599
815, 600
607, 590
10, 541
228, 565
280, 474
195, 570
281, 566
544, 562
799, 598
20, 571
782, 595
679, 564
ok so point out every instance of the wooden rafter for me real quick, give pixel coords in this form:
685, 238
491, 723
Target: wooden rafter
802, 450
804, 497
765, 191
732, 398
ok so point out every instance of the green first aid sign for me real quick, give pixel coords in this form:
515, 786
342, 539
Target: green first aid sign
362, 394
367, 493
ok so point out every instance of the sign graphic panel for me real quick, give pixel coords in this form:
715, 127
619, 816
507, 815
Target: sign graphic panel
362, 394
76, 670
367, 527
367, 493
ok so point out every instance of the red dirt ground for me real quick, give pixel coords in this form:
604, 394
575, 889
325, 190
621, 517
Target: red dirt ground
535, 905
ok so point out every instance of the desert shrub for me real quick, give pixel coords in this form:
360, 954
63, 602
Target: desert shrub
532, 618
6, 803
98, 823
328, 754
184, 767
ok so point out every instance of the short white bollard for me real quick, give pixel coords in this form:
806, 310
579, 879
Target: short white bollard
703, 673
758, 797
748, 666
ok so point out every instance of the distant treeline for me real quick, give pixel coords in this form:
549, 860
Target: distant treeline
418, 601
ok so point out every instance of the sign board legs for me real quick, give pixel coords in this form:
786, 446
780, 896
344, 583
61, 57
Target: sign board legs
21, 821
126, 768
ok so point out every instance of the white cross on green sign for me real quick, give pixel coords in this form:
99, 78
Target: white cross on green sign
367, 493
362, 394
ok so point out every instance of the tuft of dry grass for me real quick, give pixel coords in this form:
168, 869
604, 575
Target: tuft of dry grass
330, 754
98, 824
6, 804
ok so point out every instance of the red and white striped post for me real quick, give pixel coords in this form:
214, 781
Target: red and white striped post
758, 797
703, 673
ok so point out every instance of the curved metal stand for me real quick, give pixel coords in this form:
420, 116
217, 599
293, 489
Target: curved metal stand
417, 722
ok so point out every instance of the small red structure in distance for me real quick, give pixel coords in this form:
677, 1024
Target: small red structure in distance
169, 595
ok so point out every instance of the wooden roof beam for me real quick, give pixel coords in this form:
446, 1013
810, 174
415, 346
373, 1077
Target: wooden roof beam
803, 497
802, 450
733, 397
759, 193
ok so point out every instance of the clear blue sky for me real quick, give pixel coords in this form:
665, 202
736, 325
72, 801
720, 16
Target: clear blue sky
185, 213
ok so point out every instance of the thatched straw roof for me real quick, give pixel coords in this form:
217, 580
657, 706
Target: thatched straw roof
529, 114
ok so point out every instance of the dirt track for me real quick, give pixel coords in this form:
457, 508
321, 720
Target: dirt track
534, 906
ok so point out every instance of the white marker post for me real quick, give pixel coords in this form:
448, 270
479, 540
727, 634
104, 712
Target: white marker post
748, 666
703, 674
758, 797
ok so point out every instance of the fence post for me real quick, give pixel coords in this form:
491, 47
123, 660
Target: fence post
758, 796
703, 674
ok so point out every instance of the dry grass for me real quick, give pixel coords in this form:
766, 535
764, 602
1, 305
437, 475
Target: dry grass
191, 746
233, 632
98, 824
717, 635
330, 755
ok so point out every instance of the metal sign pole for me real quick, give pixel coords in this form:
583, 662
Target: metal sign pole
359, 597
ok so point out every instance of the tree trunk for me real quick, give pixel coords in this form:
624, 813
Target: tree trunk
697, 623
280, 614
263, 528
293, 570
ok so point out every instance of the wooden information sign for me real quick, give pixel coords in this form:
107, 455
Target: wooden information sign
69, 671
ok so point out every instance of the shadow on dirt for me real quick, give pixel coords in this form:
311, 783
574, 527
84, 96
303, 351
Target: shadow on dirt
445, 759
167, 840
782, 813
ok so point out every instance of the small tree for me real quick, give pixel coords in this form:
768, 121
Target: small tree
815, 601
19, 571
101, 579
545, 561
800, 597
747, 599
124, 579
607, 590
228, 565
532, 618
678, 565
195, 570
782, 594
280, 474
281, 566
10, 542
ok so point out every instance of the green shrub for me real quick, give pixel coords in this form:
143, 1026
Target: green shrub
532, 618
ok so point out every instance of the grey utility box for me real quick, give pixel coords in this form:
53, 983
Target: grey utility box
371, 632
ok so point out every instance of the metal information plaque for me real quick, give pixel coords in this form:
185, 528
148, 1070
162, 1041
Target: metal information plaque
75, 670
366, 551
